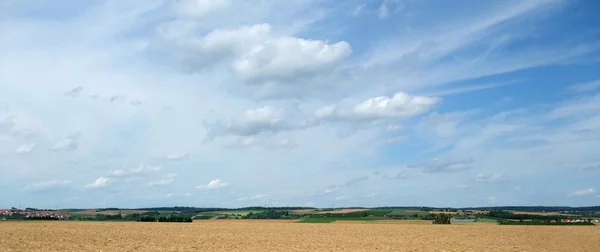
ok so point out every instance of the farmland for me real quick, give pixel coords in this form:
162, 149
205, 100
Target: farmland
286, 235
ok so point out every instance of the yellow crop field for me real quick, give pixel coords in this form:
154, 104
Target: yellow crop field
289, 236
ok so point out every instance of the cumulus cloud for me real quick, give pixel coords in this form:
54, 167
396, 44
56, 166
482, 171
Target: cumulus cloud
25, 148
98, 183
287, 58
438, 165
213, 184
260, 76
264, 120
139, 170
258, 57
583, 192
400, 106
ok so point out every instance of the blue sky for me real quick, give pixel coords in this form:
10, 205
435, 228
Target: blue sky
231, 103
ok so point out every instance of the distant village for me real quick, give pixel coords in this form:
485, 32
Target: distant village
32, 214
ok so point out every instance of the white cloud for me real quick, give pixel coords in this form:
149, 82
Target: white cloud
383, 10
145, 82
401, 105
584, 87
67, 144
438, 165
267, 62
394, 127
98, 183
75, 92
288, 58
264, 120
139, 170
491, 178
25, 148
213, 184
584, 192
341, 198
161, 182
358, 10
196, 9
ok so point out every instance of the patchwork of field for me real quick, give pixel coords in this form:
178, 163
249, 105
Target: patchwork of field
342, 211
259, 235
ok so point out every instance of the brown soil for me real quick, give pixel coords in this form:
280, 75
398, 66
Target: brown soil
282, 236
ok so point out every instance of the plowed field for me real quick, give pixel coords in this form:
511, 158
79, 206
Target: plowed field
288, 236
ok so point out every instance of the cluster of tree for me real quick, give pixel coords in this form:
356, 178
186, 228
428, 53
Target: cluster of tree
39, 210
273, 208
183, 210
412, 217
268, 214
340, 215
172, 218
538, 208
108, 209
512, 216
43, 218
545, 223
418, 208
104, 217
442, 218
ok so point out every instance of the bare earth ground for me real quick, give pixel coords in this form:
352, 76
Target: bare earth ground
286, 236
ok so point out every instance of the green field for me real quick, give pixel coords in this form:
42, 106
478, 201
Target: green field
204, 217
406, 212
486, 220
378, 212
235, 212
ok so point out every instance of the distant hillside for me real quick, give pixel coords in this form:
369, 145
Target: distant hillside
182, 209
